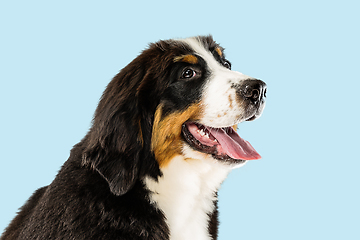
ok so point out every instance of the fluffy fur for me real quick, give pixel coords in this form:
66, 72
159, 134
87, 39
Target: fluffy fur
141, 172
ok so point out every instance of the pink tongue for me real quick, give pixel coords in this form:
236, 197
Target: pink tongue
233, 145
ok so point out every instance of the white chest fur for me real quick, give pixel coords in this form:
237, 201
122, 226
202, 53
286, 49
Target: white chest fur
185, 193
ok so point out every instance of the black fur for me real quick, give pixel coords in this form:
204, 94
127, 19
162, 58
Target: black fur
98, 193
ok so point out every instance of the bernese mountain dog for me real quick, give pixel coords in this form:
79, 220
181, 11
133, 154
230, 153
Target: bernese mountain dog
162, 140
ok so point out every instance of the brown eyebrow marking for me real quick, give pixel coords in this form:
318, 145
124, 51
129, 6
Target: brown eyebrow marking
218, 50
187, 58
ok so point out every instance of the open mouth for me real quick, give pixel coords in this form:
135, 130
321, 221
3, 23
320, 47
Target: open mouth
222, 143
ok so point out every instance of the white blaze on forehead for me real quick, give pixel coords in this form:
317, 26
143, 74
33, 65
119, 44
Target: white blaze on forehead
197, 46
222, 106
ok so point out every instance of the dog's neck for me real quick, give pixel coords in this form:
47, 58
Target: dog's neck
185, 193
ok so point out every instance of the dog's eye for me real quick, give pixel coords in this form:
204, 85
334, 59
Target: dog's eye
227, 64
188, 73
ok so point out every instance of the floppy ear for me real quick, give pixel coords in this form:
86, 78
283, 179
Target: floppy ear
113, 146
118, 143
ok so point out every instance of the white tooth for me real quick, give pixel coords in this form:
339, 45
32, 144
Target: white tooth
202, 133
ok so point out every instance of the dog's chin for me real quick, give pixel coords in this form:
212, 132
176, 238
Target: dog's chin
223, 144
189, 152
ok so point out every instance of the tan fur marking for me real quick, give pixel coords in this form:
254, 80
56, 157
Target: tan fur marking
218, 50
222, 114
166, 135
231, 102
187, 58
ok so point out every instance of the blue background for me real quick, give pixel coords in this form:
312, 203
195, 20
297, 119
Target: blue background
57, 57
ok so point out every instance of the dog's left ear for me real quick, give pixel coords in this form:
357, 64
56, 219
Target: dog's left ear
115, 141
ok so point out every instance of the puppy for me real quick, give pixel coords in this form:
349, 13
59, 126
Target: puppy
162, 140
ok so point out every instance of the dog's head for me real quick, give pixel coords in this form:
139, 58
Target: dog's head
178, 97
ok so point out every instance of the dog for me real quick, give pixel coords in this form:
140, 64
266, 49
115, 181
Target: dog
162, 140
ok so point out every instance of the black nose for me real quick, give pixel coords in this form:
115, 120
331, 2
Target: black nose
254, 90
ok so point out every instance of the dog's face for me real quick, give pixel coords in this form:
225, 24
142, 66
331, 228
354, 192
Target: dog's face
202, 105
179, 97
